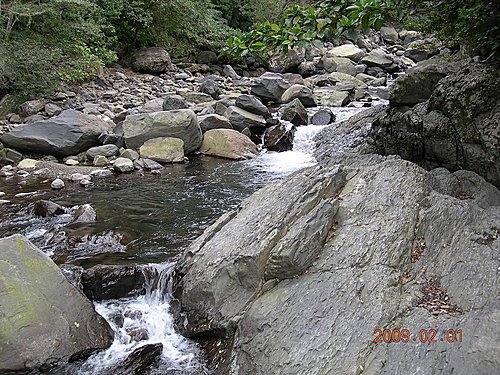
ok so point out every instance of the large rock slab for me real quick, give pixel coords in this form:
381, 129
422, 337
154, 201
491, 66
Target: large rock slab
44, 319
228, 144
296, 280
68, 134
182, 124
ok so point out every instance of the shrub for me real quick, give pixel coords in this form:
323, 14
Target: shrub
304, 25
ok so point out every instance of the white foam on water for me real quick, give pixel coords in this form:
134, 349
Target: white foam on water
281, 164
146, 320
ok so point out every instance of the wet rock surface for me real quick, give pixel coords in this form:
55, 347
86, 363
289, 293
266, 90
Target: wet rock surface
112, 282
279, 138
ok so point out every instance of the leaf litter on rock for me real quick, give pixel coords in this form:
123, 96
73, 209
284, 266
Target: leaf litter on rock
435, 299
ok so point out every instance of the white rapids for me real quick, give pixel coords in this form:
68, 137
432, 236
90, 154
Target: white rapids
281, 164
145, 320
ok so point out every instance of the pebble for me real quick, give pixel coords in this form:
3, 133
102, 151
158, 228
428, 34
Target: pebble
21, 195
85, 182
2, 194
4, 201
71, 162
77, 177
123, 165
57, 184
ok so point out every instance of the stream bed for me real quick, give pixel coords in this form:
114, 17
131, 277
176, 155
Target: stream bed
149, 220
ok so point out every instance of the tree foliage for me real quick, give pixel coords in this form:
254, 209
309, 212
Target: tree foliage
303, 25
472, 23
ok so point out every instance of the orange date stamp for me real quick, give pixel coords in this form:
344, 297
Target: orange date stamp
422, 336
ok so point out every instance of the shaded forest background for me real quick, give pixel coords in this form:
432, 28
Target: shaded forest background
46, 43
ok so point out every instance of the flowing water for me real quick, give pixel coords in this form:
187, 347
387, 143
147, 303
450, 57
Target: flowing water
149, 220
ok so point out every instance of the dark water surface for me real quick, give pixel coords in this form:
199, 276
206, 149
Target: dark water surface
157, 216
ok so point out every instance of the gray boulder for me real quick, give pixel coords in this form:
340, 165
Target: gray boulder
422, 49
270, 86
349, 51
32, 107
106, 150
378, 58
229, 71
45, 320
182, 124
212, 121
252, 104
338, 64
389, 35
367, 245
324, 116
330, 97
417, 85
371, 80
284, 63
301, 92
210, 87
172, 102
241, 119
68, 134
123, 165
52, 109
206, 57
155, 105
294, 112
152, 60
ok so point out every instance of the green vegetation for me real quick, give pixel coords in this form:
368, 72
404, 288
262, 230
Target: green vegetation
304, 25
472, 23
44, 43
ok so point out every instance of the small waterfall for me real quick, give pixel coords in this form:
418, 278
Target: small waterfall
281, 164
146, 320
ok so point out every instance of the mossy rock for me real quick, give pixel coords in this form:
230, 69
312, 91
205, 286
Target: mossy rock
44, 318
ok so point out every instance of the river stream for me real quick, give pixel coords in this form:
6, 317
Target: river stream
149, 220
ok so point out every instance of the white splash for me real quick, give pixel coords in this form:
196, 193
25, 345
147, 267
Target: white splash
145, 320
281, 164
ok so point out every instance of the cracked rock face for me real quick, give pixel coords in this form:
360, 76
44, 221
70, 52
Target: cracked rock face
297, 280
